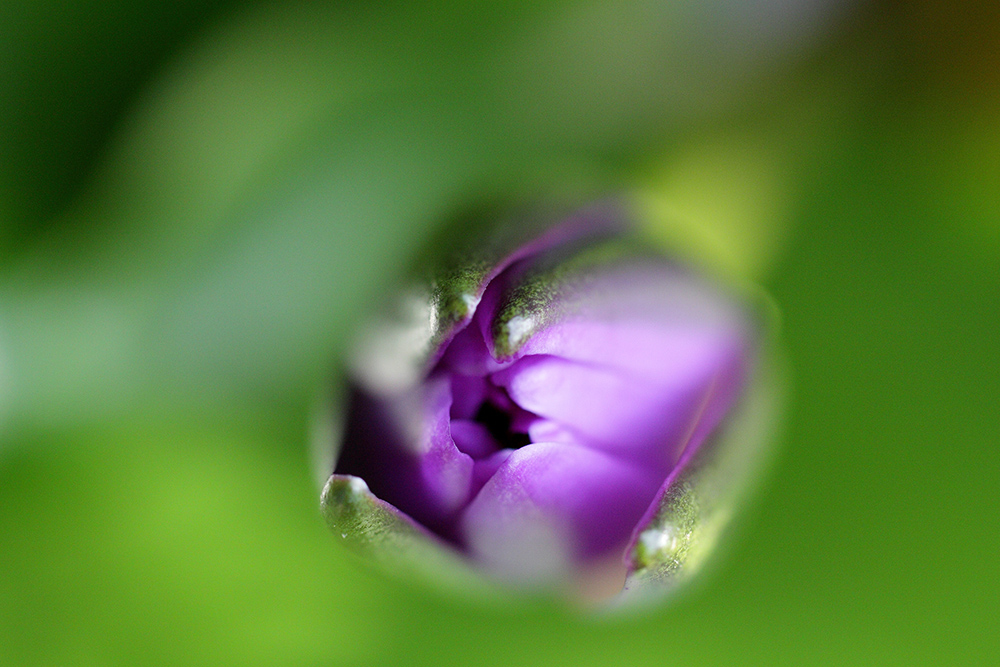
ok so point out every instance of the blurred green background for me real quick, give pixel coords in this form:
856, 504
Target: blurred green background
197, 200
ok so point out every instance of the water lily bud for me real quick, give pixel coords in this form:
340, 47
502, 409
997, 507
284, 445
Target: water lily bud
551, 404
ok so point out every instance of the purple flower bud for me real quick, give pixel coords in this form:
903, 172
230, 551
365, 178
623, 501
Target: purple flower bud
543, 404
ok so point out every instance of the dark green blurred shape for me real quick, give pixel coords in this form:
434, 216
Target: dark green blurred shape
68, 72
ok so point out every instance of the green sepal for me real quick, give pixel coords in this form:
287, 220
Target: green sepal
383, 535
441, 291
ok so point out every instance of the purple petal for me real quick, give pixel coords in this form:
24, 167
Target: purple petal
446, 472
467, 354
646, 349
472, 438
404, 451
632, 417
552, 505
483, 469
467, 392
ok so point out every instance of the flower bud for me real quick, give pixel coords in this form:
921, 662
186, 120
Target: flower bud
551, 405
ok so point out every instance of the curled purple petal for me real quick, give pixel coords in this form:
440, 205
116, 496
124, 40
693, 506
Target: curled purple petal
473, 438
552, 505
613, 410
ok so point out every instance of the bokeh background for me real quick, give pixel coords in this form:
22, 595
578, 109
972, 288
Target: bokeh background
199, 199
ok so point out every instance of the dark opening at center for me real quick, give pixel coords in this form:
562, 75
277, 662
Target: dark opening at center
497, 422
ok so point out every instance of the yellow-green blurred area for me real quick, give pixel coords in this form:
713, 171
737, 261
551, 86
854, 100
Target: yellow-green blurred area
199, 200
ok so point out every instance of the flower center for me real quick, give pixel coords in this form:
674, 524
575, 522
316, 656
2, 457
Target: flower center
498, 422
